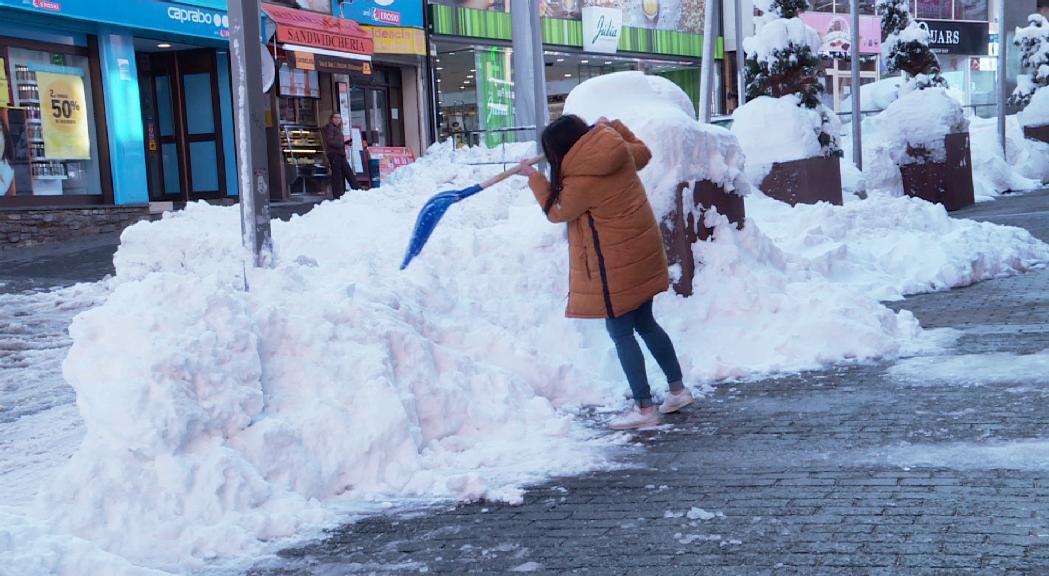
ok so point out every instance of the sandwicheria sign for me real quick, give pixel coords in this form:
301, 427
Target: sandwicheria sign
321, 39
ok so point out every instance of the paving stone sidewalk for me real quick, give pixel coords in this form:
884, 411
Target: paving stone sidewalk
819, 473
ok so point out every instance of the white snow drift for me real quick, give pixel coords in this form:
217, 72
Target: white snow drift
219, 421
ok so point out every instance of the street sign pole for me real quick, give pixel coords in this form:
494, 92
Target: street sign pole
857, 112
706, 76
741, 58
1003, 92
252, 169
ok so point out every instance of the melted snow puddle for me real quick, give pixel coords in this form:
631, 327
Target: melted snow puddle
973, 369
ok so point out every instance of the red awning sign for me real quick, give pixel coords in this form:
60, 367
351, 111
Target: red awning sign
319, 30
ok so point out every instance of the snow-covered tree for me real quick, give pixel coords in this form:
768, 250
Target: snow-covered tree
1033, 41
783, 59
905, 46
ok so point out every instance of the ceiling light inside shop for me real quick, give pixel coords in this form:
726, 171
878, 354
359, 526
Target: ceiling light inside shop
470, 76
584, 61
439, 68
568, 75
608, 63
560, 59
163, 45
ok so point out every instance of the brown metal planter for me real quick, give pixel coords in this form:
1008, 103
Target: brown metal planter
1039, 133
950, 182
680, 233
805, 181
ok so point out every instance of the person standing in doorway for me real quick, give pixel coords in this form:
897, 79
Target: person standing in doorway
335, 149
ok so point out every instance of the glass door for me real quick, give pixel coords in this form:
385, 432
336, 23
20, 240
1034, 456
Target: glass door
182, 126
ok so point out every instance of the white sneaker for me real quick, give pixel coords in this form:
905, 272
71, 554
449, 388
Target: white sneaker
676, 401
634, 419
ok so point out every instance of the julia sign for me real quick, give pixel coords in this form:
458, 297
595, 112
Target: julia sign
601, 28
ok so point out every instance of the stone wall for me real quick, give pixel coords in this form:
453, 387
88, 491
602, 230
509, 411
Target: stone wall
20, 227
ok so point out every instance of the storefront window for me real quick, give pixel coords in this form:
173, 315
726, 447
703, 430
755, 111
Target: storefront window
934, 9
48, 124
311, 5
970, 9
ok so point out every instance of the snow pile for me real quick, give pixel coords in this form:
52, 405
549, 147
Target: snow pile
683, 150
1037, 112
778, 35
1021, 168
888, 247
795, 135
225, 420
917, 122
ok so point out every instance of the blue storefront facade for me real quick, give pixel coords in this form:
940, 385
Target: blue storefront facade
128, 104
114, 103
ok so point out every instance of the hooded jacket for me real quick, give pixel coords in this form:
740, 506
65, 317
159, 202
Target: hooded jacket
617, 259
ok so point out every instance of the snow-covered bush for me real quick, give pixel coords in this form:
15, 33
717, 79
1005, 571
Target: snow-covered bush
783, 64
1033, 41
905, 46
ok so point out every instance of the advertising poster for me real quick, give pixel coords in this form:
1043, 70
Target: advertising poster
15, 177
5, 86
496, 92
390, 158
835, 32
677, 15
63, 114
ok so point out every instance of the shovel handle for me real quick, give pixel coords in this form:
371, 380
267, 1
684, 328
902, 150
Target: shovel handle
511, 172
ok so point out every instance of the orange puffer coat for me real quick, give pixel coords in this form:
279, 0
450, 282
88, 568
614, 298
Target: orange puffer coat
617, 260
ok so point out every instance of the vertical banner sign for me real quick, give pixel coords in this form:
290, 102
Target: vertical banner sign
63, 113
496, 93
601, 27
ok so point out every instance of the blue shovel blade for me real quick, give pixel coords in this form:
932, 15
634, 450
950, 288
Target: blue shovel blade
430, 215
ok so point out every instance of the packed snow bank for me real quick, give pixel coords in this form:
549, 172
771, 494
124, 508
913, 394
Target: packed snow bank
888, 247
795, 135
683, 150
994, 171
225, 420
1037, 112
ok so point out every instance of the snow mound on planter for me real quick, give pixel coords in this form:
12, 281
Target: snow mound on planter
772, 130
1036, 113
779, 35
889, 247
683, 150
919, 119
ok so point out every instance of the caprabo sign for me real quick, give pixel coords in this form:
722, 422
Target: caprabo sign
601, 29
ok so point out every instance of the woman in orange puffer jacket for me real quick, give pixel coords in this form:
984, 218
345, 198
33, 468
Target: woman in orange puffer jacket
617, 261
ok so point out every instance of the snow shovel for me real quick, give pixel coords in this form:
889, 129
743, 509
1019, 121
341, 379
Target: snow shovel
435, 208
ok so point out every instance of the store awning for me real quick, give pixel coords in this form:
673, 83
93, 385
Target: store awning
320, 33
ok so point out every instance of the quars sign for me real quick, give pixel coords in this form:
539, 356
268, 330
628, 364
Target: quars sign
962, 38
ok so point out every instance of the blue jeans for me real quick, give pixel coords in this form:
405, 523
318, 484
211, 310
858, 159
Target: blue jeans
622, 330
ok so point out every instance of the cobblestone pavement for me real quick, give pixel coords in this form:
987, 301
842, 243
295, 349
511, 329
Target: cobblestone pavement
845, 471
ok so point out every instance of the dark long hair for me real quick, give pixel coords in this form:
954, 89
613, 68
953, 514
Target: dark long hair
558, 139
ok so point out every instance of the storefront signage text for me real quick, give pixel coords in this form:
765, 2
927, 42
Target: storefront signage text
325, 63
321, 39
601, 28
381, 12
397, 40
156, 15
962, 38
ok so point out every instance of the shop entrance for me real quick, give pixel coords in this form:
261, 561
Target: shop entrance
181, 122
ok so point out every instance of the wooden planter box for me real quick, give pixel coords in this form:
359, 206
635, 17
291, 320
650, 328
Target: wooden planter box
681, 232
805, 181
950, 182
1040, 133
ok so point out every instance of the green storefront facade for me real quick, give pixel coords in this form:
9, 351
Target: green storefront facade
473, 78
